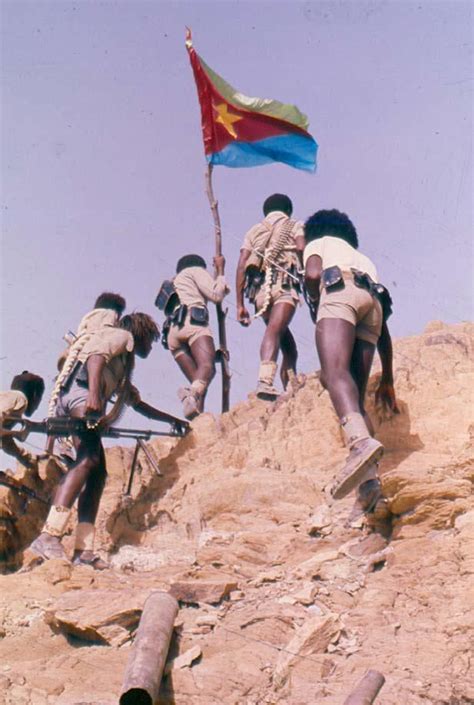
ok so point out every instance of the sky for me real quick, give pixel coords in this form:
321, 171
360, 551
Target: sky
102, 163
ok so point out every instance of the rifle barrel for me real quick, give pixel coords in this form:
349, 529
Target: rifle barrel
133, 433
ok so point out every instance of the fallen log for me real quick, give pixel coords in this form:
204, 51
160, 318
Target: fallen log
149, 651
367, 689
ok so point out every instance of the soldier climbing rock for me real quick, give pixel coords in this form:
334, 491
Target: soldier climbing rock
99, 365
24, 397
350, 308
268, 274
186, 332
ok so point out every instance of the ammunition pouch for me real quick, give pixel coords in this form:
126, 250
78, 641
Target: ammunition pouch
255, 261
178, 316
254, 279
383, 295
175, 318
378, 291
332, 279
167, 299
199, 315
165, 332
291, 279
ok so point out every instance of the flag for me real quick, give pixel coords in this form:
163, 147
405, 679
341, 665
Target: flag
239, 131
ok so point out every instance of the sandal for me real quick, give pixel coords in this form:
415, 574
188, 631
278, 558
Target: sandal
95, 562
190, 403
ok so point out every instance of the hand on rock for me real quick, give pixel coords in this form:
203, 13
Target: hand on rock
385, 397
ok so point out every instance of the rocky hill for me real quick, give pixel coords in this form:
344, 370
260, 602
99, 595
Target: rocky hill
281, 600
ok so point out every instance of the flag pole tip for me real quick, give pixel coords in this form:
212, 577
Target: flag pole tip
189, 38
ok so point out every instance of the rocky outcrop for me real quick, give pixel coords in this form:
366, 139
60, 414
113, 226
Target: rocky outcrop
281, 600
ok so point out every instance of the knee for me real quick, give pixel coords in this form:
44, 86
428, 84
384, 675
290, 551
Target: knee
207, 371
91, 462
330, 378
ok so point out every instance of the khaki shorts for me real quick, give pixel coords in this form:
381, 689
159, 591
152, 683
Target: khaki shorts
279, 295
356, 306
180, 339
70, 400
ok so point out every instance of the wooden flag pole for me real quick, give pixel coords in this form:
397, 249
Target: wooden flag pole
222, 355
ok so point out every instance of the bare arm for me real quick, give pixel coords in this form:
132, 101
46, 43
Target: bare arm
243, 316
212, 289
312, 279
23, 456
385, 393
95, 367
300, 245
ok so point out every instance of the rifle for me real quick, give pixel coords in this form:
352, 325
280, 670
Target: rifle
179, 426
67, 426
12, 484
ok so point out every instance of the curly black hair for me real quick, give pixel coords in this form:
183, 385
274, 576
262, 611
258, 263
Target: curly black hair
332, 223
32, 387
190, 261
141, 326
278, 202
113, 301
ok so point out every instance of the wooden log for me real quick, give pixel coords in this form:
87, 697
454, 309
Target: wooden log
367, 689
146, 662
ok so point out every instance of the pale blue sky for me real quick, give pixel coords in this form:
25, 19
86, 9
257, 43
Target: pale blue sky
102, 162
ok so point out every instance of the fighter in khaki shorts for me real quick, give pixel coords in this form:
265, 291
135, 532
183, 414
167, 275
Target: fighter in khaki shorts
189, 337
351, 309
267, 272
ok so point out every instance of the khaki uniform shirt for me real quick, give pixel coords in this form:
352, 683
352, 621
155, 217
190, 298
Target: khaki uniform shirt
257, 237
195, 287
96, 319
112, 344
335, 251
12, 403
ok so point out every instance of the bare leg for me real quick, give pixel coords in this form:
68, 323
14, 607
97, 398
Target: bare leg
335, 339
88, 507
187, 365
277, 324
344, 373
89, 499
204, 355
290, 356
361, 364
85, 472
89, 449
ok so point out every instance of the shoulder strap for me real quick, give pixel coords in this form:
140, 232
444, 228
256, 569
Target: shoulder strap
270, 230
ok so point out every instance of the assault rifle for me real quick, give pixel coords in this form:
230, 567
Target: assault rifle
20, 428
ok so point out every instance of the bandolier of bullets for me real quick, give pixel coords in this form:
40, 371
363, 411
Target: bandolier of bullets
272, 254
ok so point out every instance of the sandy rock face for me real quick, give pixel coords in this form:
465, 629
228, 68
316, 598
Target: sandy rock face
282, 601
